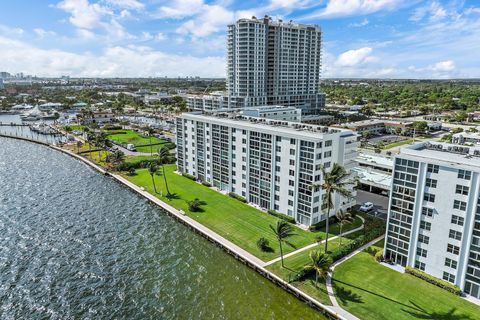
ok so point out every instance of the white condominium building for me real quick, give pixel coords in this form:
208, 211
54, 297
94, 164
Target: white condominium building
434, 212
271, 163
273, 63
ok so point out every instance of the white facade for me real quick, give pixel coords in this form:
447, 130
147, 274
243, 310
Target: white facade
466, 137
434, 212
273, 63
291, 114
271, 163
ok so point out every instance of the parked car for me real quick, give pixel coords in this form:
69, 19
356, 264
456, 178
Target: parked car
131, 147
366, 207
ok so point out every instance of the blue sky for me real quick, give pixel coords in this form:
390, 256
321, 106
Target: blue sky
130, 38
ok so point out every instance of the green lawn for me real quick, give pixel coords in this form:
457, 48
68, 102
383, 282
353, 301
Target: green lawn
232, 219
397, 144
137, 139
372, 291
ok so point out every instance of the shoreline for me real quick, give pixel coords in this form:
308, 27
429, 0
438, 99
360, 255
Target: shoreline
238, 253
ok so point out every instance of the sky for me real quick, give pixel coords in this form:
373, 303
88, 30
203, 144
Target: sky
157, 38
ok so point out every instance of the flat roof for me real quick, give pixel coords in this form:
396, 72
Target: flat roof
434, 151
374, 178
375, 160
253, 123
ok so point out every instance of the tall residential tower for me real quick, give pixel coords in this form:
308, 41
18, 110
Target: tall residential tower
272, 63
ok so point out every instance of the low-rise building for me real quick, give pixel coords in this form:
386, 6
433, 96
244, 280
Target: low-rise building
466, 138
272, 163
434, 213
274, 112
379, 127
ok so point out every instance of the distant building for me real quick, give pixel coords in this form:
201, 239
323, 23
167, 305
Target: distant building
374, 172
2, 86
434, 213
271, 163
274, 112
271, 63
466, 138
379, 127
96, 117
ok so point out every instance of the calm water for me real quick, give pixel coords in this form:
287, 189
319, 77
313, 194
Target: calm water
77, 245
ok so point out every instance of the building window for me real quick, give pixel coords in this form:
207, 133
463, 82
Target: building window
292, 162
292, 141
431, 183
457, 235
327, 164
425, 225
327, 154
459, 189
464, 174
432, 168
457, 220
453, 249
450, 263
290, 202
423, 239
291, 183
291, 172
460, 205
328, 143
278, 138
319, 156
422, 252
420, 265
429, 197
449, 277
427, 211
290, 193
292, 152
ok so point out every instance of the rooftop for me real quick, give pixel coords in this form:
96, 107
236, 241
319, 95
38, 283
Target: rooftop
374, 178
253, 123
454, 154
375, 160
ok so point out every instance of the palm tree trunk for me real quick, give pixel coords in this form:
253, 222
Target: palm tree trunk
151, 152
326, 229
281, 252
165, 179
341, 227
316, 279
154, 186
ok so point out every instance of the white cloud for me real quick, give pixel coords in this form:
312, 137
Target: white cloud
117, 61
85, 34
180, 9
352, 58
83, 14
42, 33
129, 4
444, 66
362, 23
339, 8
434, 11
213, 18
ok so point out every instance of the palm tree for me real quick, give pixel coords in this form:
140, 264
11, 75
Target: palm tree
163, 155
152, 169
282, 231
343, 219
79, 145
334, 181
150, 131
320, 263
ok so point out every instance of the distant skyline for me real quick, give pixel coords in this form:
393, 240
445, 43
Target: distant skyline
142, 38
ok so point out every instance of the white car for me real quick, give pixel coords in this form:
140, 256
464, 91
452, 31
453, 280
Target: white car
366, 206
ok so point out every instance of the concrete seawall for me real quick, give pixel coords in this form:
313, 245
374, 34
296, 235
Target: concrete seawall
234, 250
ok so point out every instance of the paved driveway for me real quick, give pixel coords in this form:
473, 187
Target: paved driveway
380, 203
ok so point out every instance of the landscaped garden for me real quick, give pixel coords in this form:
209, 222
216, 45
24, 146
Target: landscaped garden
236, 221
141, 142
370, 290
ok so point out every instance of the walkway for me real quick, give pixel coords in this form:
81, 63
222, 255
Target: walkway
313, 245
331, 293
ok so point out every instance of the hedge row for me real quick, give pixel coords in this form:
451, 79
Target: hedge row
357, 243
145, 163
206, 184
320, 225
236, 196
435, 281
281, 216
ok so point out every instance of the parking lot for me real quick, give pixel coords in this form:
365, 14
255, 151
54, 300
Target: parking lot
380, 203
386, 139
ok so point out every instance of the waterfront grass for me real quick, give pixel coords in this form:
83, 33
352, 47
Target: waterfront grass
230, 218
370, 290
137, 139
397, 144
295, 264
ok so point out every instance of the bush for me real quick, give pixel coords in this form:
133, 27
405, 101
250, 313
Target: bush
236, 196
301, 275
379, 255
435, 281
112, 127
131, 171
206, 184
194, 205
189, 176
319, 225
263, 244
281, 216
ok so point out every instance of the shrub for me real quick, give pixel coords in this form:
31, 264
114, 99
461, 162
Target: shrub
379, 255
206, 184
189, 176
301, 275
236, 196
281, 216
131, 171
112, 127
194, 205
435, 281
263, 244
319, 225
